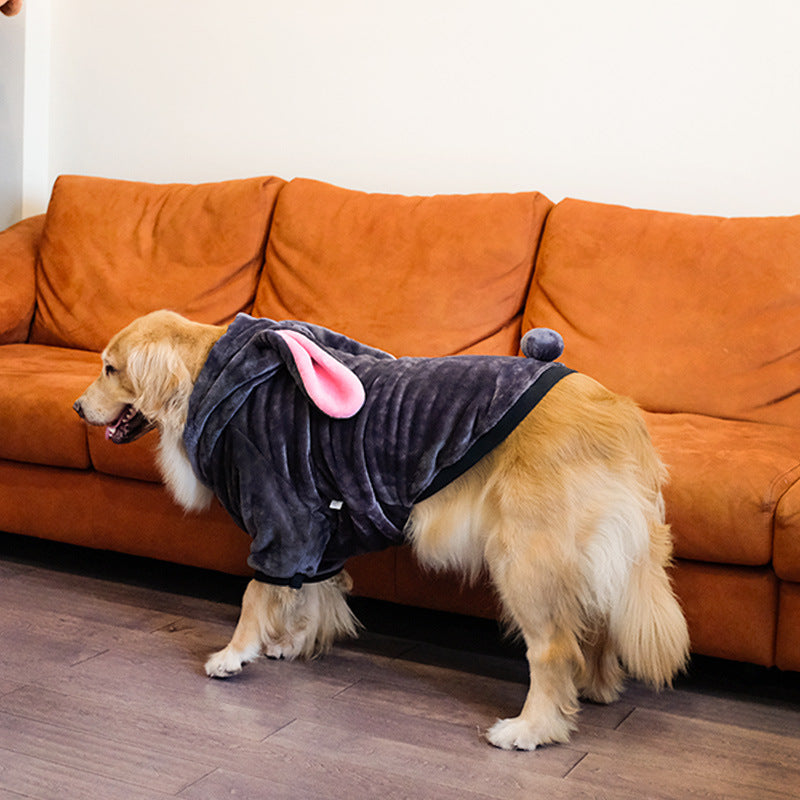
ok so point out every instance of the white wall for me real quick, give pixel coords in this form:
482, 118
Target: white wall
12, 77
691, 105
36, 181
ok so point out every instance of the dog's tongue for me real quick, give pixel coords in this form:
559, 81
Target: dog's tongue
111, 429
130, 425
116, 430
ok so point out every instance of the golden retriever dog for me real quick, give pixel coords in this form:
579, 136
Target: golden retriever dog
565, 516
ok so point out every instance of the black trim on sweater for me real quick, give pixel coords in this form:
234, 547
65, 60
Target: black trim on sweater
549, 378
296, 581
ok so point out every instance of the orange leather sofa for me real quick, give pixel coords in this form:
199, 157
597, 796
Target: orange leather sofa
696, 318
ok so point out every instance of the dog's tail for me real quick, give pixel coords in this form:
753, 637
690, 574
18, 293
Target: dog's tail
648, 625
628, 554
646, 621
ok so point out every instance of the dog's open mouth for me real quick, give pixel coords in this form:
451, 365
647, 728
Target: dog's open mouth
130, 425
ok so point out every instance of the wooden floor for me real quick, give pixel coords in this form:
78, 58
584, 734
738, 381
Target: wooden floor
102, 696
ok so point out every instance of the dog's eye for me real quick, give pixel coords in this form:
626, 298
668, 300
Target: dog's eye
109, 370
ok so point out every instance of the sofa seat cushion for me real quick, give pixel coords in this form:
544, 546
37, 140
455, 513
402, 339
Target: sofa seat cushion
787, 646
683, 313
417, 276
727, 480
38, 386
732, 612
113, 250
125, 516
787, 536
136, 459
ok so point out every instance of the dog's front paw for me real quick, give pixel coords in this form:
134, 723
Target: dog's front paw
224, 663
518, 733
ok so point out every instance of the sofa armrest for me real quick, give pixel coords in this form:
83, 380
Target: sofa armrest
19, 247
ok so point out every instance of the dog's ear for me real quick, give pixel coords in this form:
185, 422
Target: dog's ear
161, 381
333, 387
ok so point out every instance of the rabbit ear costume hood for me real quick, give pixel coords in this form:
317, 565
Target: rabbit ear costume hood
318, 446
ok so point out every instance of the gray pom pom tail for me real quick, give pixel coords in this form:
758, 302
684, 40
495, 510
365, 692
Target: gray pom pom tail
543, 344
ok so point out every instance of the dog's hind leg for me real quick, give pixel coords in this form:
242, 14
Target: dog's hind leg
602, 678
247, 642
538, 602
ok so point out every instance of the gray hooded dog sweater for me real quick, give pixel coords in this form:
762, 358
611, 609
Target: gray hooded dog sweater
318, 446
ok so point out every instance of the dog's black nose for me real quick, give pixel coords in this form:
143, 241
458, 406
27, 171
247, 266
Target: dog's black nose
78, 408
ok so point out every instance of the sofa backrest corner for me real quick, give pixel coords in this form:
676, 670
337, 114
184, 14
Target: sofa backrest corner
681, 312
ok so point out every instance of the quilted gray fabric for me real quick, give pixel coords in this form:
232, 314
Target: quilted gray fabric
312, 490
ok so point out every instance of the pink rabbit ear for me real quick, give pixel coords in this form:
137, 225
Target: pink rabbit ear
332, 387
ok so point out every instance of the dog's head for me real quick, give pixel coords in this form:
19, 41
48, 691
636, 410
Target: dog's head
147, 375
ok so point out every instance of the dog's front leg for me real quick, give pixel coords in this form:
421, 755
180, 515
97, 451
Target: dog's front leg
247, 641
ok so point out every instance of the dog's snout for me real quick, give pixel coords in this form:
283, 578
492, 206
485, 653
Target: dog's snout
78, 408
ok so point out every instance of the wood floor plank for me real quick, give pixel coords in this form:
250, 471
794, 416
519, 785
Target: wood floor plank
400, 725
98, 753
125, 593
617, 773
193, 733
698, 751
454, 743
427, 703
7, 794
81, 597
468, 700
781, 717
22, 630
228, 783
481, 768
41, 779
27, 646
262, 684
9, 569
291, 778
732, 753
503, 686
184, 711
735, 739
7, 685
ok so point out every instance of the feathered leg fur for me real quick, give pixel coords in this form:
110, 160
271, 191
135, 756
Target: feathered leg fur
286, 623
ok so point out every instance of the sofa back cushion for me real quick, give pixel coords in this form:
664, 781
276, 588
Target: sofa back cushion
411, 275
681, 312
113, 250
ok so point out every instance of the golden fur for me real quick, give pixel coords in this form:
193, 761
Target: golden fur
566, 517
